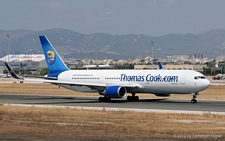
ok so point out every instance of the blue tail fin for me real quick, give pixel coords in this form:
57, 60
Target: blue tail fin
53, 60
160, 66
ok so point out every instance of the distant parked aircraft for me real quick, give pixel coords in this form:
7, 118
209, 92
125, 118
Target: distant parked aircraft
106, 66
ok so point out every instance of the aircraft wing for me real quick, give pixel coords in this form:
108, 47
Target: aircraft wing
43, 77
91, 85
14, 75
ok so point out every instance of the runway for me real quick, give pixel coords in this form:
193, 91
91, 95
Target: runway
159, 104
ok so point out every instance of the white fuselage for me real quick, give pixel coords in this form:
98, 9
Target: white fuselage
147, 81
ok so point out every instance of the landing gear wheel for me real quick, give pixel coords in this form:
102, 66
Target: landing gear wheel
194, 95
129, 98
136, 98
132, 98
104, 99
193, 101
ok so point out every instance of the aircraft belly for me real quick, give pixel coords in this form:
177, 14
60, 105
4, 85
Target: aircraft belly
171, 88
78, 88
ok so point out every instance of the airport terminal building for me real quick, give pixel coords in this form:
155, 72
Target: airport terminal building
172, 67
30, 62
33, 62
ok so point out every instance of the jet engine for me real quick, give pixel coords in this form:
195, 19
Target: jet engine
114, 91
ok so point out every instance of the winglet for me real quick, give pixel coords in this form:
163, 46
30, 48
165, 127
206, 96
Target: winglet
160, 66
13, 74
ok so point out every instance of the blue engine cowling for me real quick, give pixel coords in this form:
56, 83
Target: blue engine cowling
115, 91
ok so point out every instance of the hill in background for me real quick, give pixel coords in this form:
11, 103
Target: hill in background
71, 44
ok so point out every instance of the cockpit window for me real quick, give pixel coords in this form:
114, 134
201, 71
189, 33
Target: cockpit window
199, 77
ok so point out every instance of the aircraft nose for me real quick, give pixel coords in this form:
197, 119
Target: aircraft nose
203, 85
206, 83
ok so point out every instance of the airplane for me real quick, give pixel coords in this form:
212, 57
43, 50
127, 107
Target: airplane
117, 83
106, 66
90, 66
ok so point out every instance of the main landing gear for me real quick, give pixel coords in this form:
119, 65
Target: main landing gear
104, 99
132, 98
194, 100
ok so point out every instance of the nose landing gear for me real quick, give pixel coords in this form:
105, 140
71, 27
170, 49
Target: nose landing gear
194, 100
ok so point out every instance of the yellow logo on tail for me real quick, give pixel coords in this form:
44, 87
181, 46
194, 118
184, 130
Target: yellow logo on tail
50, 57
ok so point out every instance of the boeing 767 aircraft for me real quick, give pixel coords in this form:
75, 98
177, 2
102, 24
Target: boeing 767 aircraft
117, 83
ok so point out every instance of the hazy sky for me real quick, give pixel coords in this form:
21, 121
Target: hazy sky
117, 17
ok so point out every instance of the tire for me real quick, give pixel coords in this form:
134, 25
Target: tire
128, 98
136, 98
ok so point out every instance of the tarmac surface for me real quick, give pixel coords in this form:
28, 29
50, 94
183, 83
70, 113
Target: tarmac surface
156, 105
89, 102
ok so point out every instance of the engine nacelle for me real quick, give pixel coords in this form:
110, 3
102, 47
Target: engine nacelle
163, 94
115, 91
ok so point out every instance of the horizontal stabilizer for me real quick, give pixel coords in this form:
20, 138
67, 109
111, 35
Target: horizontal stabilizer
43, 77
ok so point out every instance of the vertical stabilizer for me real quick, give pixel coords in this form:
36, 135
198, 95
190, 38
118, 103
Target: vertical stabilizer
53, 60
160, 66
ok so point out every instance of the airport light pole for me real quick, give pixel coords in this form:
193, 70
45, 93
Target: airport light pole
152, 49
8, 46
